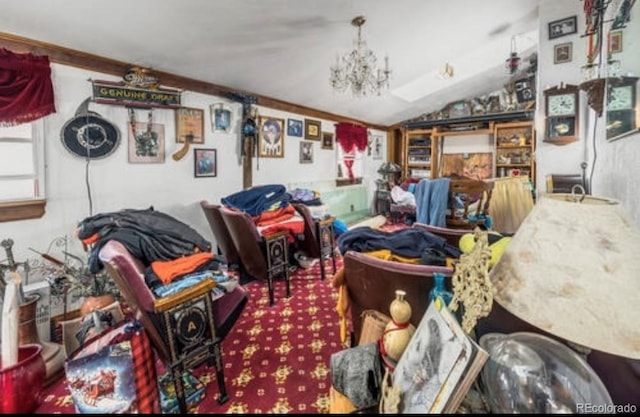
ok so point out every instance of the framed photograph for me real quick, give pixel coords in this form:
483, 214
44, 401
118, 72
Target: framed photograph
562, 53
312, 129
221, 118
306, 152
271, 139
327, 140
294, 127
563, 27
189, 125
205, 163
615, 42
146, 143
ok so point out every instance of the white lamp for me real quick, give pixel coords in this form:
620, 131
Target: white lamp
573, 270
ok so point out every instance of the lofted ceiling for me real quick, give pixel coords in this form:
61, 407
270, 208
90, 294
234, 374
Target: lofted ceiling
283, 48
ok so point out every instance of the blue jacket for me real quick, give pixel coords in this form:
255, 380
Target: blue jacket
257, 199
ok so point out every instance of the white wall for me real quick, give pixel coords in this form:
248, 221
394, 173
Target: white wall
615, 165
169, 187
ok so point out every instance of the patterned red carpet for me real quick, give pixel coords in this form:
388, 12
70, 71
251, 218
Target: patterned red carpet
276, 358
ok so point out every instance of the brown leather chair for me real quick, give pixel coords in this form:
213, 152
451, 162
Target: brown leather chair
469, 189
262, 257
318, 240
371, 284
178, 347
224, 242
452, 235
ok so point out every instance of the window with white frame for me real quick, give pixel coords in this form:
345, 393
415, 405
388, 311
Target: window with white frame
21, 162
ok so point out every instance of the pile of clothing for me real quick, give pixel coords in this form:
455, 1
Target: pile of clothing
169, 249
270, 208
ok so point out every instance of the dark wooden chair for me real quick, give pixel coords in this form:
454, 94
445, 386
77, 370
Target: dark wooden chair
185, 328
319, 239
469, 192
262, 257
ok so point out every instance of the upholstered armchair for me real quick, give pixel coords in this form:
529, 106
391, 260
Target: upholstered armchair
185, 328
371, 284
262, 257
319, 239
224, 241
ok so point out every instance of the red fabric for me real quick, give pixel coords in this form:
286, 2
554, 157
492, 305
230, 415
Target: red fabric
145, 370
26, 91
349, 164
351, 137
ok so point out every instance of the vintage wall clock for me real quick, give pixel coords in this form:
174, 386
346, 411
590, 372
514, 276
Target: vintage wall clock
621, 106
561, 114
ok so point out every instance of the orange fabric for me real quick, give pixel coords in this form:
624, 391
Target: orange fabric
91, 239
274, 216
167, 271
342, 306
293, 226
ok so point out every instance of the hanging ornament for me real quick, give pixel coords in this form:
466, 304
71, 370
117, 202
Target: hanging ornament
513, 62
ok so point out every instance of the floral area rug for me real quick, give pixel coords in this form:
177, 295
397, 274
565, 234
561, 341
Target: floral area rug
276, 358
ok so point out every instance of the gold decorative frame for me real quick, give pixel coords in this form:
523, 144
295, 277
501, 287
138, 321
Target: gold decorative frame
312, 129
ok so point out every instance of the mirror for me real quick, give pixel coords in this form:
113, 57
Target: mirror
623, 67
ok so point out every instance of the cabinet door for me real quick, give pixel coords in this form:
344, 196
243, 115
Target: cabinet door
418, 154
515, 145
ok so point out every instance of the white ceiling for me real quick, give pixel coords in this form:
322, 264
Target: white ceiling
283, 48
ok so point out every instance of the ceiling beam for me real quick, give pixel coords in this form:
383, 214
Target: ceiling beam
79, 59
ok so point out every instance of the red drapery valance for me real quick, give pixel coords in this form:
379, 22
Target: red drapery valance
26, 91
351, 137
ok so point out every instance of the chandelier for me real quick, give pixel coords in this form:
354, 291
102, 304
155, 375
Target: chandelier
358, 70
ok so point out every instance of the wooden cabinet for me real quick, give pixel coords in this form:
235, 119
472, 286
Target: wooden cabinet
515, 149
419, 154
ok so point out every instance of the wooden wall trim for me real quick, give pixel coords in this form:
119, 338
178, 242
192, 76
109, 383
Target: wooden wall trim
78, 59
22, 210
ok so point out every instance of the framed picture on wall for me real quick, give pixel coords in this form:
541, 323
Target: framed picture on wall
312, 129
562, 53
615, 42
294, 127
146, 143
563, 27
327, 140
271, 139
205, 163
306, 152
189, 125
221, 118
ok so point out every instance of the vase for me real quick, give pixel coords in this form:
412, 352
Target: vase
398, 331
439, 289
21, 383
27, 326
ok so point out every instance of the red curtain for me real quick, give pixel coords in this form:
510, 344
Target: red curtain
26, 91
351, 137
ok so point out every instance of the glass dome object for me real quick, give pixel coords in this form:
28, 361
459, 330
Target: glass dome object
532, 373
